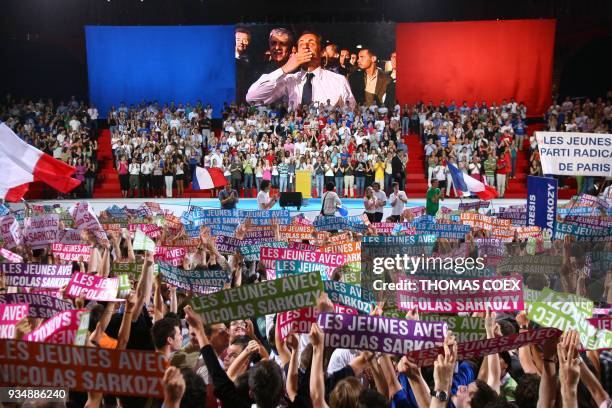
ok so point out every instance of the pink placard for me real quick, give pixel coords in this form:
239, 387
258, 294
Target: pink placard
300, 321
10, 315
59, 329
480, 348
461, 295
94, 287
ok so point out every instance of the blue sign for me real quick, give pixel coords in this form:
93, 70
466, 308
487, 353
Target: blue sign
542, 203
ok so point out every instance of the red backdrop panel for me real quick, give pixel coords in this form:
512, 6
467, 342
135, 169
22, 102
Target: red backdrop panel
476, 61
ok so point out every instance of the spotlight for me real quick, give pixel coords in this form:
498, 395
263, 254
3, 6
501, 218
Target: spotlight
359, 46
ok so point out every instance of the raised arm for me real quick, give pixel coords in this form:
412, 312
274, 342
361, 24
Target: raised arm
569, 368
444, 368
317, 382
126, 323
102, 323
158, 300
145, 283
292, 343
494, 369
548, 383
524, 353
268, 88
593, 385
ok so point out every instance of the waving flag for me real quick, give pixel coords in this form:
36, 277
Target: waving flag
469, 184
207, 178
22, 164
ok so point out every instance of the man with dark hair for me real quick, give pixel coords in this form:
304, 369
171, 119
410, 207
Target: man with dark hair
479, 394
527, 391
228, 197
302, 80
243, 39
195, 390
370, 84
331, 56
167, 336
266, 384
330, 201
243, 65
183, 389
344, 66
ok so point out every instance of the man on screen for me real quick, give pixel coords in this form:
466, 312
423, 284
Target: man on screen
243, 65
280, 43
301, 80
370, 84
344, 66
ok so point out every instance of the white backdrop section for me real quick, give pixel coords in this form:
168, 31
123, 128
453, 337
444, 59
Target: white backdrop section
575, 154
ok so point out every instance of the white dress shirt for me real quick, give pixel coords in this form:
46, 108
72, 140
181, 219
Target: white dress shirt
276, 85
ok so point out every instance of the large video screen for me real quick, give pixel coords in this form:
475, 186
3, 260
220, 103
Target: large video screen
273, 62
166, 64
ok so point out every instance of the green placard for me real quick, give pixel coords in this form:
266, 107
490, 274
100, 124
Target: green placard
464, 328
273, 296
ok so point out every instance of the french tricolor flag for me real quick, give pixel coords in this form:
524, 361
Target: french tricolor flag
22, 164
469, 184
207, 178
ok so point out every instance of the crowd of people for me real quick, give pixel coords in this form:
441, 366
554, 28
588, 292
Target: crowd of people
245, 363
578, 115
352, 148
156, 148
484, 140
66, 131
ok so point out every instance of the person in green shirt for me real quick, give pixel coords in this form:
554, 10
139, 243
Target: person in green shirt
433, 198
490, 165
247, 168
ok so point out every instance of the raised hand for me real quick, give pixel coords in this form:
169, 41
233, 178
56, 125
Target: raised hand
444, 366
174, 387
292, 341
316, 335
569, 363
296, 60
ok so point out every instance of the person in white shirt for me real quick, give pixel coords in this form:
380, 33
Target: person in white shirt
74, 124
330, 201
146, 168
381, 201
264, 202
302, 80
134, 171
398, 200
369, 203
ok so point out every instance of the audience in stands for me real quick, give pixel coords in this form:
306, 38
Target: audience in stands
64, 131
259, 143
578, 115
160, 146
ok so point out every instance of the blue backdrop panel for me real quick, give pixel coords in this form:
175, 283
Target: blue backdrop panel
162, 63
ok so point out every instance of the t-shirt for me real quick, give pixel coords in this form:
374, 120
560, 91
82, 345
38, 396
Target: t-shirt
398, 207
431, 207
331, 201
380, 195
225, 194
502, 166
262, 200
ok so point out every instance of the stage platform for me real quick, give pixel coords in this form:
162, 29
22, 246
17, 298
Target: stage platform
310, 209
